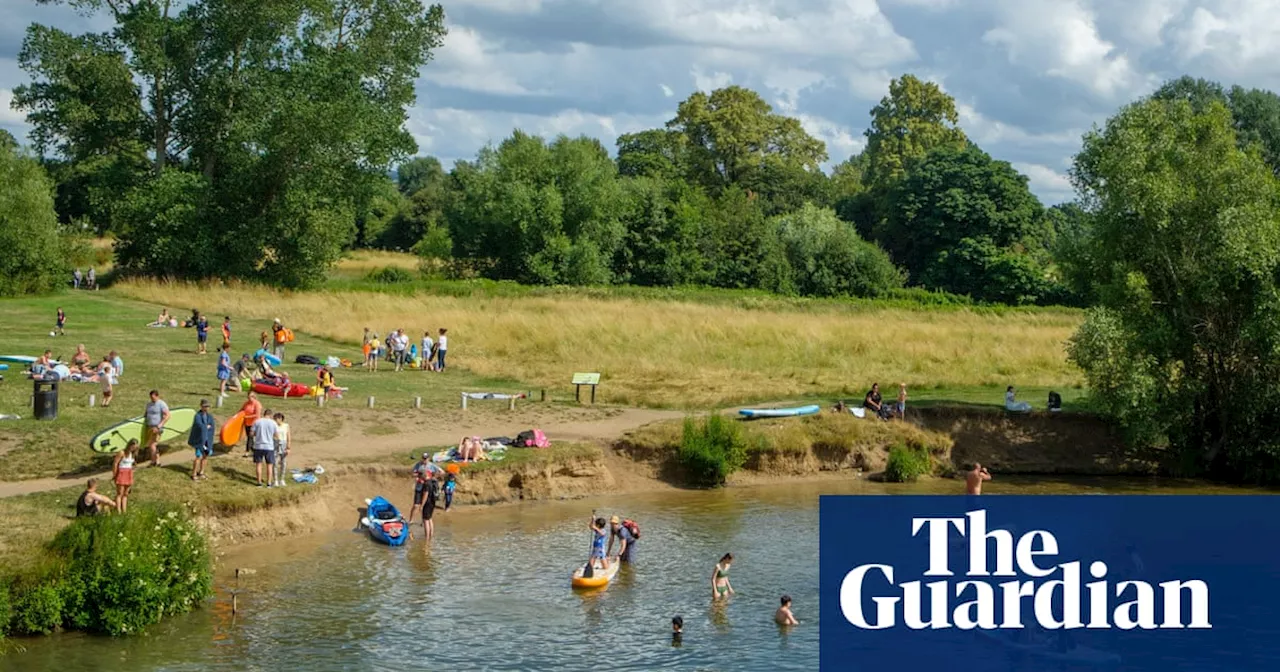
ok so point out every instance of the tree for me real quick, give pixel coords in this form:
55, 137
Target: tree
828, 258
288, 112
1255, 113
743, 247
664, 223
1186, 225
915, 118
732, 137
656, 152
33, 260
965, 223
417, 173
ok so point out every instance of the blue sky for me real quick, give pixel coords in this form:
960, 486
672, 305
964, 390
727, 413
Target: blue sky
1030, 76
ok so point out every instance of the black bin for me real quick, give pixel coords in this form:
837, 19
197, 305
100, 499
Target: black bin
45, 400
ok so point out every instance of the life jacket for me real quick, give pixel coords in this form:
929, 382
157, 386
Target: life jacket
632, 527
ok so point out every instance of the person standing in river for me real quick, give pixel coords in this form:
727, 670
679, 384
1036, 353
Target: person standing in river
626, 537
974, 478
720, 586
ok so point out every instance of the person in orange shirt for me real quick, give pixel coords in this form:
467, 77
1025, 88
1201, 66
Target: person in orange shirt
252, 410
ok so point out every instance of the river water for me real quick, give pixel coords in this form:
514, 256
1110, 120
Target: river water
491, 592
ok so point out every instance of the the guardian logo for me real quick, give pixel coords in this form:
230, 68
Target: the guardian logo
1042, 589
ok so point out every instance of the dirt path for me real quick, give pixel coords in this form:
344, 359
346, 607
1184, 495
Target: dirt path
351, 434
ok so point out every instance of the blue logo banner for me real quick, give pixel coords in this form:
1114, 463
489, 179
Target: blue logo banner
1005, 583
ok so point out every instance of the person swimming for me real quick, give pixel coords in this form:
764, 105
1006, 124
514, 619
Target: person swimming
783, 615
720, 586
677, 630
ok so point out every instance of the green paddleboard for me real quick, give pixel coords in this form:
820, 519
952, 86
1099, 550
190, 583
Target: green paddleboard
114, 438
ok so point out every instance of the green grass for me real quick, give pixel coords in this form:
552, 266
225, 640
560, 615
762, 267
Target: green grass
31, 520
514, 457
165, 359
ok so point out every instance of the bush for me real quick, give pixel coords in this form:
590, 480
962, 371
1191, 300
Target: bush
907, 463
114, 575
33, 260
711, 450
390, 275
6, 612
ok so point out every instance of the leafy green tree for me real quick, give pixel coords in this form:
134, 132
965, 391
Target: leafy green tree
731, 136
1255, 113
417, 173
828, 258
914, 119
33, 259
743, 247
656, 152
1072, 252
664, 223
965, 223
285, 110
1187, 226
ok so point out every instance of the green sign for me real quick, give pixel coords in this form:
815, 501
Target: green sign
586, 379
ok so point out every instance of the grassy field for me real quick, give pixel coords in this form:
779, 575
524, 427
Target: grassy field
692, 350
165, 359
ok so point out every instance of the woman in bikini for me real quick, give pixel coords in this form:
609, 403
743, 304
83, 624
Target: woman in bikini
720, 586
122, 474
80, 361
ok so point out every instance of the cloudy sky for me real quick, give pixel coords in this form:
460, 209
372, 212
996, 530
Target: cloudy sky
1030, 76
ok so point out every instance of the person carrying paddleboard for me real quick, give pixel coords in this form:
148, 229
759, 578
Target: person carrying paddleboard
252, 410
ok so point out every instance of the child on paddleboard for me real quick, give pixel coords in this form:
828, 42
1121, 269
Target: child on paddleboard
600, 535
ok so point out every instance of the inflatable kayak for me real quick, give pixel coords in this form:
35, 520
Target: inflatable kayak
384, 522
291, 390
779, 412
271, 359
1079, 654
114, 438
599, 579
18, 359
231, 432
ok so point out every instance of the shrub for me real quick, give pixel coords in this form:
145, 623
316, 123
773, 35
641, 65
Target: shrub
33, 259
711, 450
113, 575
907, 463
390, 275
6, 612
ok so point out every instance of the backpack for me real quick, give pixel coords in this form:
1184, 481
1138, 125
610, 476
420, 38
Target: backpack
307, 359
524, 439
532, 438
632, 527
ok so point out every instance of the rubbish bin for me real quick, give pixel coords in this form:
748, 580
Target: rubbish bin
45, 400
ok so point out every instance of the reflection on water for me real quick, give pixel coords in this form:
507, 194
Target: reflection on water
491, 592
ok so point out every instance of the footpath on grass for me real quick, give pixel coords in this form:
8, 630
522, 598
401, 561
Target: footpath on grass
349, 445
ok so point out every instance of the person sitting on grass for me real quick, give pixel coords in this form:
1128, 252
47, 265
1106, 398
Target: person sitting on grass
268, 374
162, 320
1012, 404
875, 403
91, 501
80, 362
471, 449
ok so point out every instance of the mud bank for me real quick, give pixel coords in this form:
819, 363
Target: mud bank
1032, 443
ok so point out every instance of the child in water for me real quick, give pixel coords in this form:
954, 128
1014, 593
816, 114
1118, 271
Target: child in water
601, 532
677, 630
450, 484
783, 615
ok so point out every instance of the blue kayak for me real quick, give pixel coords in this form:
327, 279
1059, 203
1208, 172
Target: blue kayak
271, 359
779, 412
385, 523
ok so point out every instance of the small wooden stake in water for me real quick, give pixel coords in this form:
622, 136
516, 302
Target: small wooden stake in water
370, 402
91, 401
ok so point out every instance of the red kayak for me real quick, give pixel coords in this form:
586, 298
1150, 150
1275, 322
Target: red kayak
291, 390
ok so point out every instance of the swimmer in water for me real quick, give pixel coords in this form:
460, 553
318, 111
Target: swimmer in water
720, 586
677, 630
973, 479
783, 615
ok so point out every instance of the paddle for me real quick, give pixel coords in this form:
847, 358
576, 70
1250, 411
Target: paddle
589, 570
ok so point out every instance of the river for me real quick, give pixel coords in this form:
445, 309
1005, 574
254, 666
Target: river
492, 591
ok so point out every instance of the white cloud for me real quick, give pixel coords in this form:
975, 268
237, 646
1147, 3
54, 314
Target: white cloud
709, 82
1049, 183
666, 91
467, 61
8, 115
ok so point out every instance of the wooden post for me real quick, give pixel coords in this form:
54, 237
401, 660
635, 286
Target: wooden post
92, 400
593, 395
544, 396
217, 401
464, 401
320, 400
417, 402
370, 402
512, 405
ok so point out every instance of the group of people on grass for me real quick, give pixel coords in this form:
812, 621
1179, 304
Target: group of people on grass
84, 280
401, 352
268, 439
874, 402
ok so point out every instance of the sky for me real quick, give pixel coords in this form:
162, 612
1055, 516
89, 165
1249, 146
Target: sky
1029, 76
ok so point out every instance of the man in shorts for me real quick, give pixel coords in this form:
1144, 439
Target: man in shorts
264, 447
201, 440
202, 334
154, 418
423, 472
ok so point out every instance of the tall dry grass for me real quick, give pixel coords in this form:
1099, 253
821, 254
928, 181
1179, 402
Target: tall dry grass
358, 263
673, 353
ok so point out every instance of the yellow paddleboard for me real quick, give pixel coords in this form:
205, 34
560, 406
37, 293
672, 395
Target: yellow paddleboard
600, 579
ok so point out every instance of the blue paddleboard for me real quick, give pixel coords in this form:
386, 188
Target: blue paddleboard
779, 412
